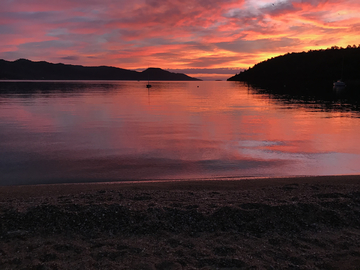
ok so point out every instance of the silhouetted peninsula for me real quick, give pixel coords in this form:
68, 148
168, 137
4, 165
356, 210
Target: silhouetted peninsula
23, 69
325, 65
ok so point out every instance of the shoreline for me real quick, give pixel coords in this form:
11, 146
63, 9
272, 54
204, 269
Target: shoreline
276, 223
206, 183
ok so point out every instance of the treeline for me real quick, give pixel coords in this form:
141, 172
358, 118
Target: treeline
327, 65
23, 69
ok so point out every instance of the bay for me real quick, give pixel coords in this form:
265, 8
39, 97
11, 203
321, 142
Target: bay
95, 131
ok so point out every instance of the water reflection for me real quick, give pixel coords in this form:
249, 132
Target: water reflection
23, 87
108, 131
318, 95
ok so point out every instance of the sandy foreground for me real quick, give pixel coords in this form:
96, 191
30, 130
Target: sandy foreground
290, 223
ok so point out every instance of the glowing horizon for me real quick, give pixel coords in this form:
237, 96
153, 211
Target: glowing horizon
171, 34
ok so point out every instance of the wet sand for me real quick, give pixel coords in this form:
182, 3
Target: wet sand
283, 223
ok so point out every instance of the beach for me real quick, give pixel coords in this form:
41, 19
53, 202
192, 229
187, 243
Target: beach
267, 223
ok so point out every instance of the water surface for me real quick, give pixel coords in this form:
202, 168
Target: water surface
54, 132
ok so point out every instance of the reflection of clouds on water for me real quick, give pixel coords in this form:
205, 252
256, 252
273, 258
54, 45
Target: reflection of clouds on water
177, 130
306, 163
266, 154
249, 143
337, 163
262, 150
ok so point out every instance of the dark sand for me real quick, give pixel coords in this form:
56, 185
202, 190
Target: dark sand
293, 223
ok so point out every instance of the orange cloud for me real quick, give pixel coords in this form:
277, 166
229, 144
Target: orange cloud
172, 33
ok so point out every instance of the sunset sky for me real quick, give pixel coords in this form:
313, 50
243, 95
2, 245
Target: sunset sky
202, 38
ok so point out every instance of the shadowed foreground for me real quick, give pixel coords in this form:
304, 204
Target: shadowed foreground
295, 223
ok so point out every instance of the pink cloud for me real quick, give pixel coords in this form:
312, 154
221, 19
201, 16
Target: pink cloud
172, 33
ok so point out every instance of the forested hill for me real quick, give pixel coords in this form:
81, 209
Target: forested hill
330, 64
23, 69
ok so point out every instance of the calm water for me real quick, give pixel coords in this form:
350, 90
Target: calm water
53, 132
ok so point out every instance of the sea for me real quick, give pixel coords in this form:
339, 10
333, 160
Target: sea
109, 131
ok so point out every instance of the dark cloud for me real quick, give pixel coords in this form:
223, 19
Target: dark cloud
257, 45
244, 15
71, 57
43, 45
205, 70
279, 8
203, 62
7, 29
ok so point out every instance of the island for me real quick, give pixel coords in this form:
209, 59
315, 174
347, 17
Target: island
23, 69
329, 65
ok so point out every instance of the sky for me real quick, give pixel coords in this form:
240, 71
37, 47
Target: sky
207, 39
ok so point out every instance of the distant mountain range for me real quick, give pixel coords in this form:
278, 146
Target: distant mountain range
23, 69
326, 65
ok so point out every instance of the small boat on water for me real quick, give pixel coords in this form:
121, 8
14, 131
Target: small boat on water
148, 84
339, 83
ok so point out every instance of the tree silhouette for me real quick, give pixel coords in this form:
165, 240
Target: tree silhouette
328, 65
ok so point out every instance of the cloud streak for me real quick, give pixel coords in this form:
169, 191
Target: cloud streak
172, 34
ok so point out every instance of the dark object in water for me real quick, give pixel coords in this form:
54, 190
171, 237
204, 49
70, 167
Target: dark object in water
339, 83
